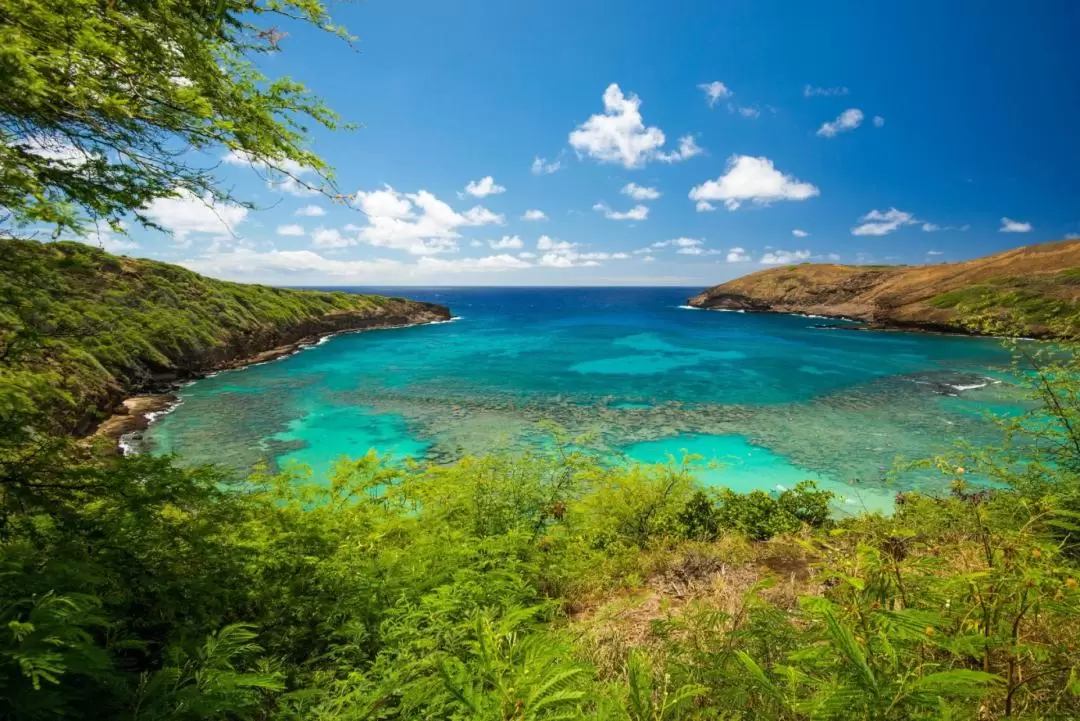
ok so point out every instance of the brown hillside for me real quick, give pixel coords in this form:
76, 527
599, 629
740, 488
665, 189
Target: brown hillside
1040, 284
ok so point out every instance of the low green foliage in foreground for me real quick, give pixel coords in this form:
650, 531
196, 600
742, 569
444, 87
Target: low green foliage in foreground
538, 588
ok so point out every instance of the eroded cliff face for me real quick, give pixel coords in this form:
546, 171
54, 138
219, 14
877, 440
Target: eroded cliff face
1041, 283
274, 340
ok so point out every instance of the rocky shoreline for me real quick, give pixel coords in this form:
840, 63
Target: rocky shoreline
135, 413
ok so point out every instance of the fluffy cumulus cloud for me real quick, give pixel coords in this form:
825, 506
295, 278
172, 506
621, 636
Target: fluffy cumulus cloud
534, 215
785, 257
311, 211
877, 222
738, 255
810, 91
186, 214
507, 241
56, 150
541, 166
687, 149
715, 92
845, 122
291, 229
563, 254
417, 223
619, 135
1014, 226
330, 238
638, 212
799, 233
638, 192
285, 175
484, 187
750, 179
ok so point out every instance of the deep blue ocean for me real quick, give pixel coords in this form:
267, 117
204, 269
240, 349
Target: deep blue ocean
766, 400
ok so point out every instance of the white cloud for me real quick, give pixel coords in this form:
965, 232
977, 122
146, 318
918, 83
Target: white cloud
298, 266
648, 259
695, 250
677, 243
935, 252
186, 213
487, 264
715, 92
785, 257
753, 179
546, 242
283, 174
619, 135
738, 255
879, 121
704, 206
1014, 226
1072, 236
638, 212
534, 215
749, 112
799, 233
330, 238
526, 255
417, 223
877, 223
292, 229
484, 187
638, 192
931, 227
688, 148
541, 166
310, 211
847, 120
476, 244
810, 91
56, 150
507, 241
102, 236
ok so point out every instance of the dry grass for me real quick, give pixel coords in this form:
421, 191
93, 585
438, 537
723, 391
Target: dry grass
714, 578
902, 294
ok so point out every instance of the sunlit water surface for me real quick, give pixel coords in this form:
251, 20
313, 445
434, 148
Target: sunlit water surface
766, 400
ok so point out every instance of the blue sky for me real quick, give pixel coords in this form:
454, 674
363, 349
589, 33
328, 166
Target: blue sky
926, 124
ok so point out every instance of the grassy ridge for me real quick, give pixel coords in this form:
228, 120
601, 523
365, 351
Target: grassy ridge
103, 326
1036, 287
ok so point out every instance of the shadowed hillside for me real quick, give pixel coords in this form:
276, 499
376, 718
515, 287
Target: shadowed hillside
1038, 284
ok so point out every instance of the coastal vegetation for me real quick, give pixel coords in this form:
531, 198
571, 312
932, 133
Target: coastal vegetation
94, 328
538, 587
535, 587
1035, 287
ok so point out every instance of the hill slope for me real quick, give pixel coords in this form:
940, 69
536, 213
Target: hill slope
99, 327
1039, 283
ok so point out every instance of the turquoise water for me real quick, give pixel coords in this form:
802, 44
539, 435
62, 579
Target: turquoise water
766, 400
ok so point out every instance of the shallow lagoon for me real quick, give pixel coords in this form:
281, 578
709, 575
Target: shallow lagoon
765, 400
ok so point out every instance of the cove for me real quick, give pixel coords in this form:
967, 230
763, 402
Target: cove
626, 365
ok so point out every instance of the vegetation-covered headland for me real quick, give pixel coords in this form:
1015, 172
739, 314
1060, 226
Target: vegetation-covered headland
101, 327
1037, 286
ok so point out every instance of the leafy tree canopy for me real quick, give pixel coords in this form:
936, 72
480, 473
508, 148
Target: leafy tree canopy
105, 104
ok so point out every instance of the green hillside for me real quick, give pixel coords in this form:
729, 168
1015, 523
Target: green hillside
98, 327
